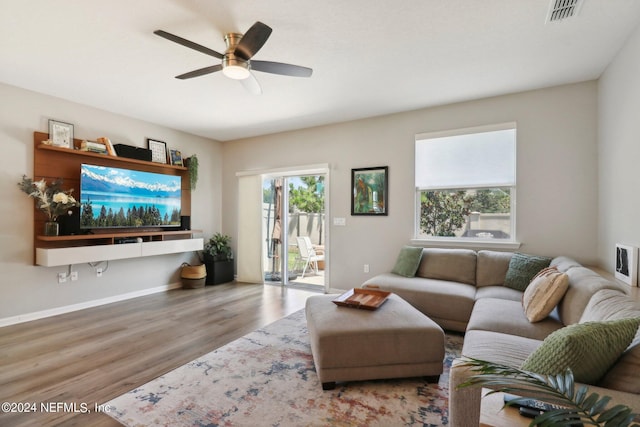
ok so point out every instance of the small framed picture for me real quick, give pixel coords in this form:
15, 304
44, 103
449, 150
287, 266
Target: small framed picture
158, 150
61, 134
627, 264
176, 157
370, 191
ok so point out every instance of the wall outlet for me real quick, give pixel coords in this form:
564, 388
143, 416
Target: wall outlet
62, 277
366, 268
74, 276
98, 272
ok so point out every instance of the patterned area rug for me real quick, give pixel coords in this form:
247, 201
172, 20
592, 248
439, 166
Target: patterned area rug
267, 378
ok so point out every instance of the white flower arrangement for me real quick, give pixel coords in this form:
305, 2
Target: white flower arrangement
52, 200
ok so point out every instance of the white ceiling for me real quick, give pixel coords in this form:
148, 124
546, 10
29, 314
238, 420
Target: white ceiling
370, 57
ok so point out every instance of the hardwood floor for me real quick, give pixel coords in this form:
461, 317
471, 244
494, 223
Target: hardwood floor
91, 356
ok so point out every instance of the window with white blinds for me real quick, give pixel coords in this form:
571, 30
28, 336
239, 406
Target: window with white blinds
465, 183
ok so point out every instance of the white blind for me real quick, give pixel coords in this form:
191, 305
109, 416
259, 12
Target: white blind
478, 159
250, 229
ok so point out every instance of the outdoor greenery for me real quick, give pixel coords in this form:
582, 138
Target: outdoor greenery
443, 212
575, 407
491, 201
308, 199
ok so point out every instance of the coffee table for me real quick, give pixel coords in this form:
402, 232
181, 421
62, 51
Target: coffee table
493, 415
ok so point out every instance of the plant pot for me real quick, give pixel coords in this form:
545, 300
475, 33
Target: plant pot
218, 271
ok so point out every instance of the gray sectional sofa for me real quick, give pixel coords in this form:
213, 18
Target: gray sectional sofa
463, 290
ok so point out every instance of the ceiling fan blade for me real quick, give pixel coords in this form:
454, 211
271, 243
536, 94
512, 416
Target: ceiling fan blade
188, 43
281, 68
200, 72
251, 85
252, 40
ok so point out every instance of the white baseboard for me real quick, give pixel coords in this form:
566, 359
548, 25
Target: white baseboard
81, 306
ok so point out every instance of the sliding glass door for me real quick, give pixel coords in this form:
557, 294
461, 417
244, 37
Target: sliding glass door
294, 250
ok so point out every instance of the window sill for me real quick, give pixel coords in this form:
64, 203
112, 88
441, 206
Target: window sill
466, 243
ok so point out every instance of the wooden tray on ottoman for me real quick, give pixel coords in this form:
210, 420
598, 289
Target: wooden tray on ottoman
366, 299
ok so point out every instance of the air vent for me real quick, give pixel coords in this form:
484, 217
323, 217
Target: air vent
559, 10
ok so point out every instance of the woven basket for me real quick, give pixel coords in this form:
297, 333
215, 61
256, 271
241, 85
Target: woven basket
193, 276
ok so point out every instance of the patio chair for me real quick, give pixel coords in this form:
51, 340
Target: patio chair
308, 255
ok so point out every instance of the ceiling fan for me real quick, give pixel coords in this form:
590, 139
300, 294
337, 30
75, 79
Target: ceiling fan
236, 60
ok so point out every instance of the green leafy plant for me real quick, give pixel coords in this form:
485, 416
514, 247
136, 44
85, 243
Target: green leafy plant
309, 199
442, 213
577, 407
219, 247
192, 165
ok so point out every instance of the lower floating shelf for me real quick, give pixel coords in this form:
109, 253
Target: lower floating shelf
51, 257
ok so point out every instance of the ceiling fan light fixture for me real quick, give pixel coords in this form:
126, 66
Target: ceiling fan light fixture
236, 61
236, 72
235, 68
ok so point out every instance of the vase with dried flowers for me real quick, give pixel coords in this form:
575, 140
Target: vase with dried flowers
52, 200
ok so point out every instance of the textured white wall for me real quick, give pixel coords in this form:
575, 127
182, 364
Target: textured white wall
557, 176
25, 288
619, 152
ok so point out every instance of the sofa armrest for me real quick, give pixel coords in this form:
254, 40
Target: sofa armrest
464, 403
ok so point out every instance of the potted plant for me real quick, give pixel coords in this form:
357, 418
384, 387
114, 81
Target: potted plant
51, 199
218, 259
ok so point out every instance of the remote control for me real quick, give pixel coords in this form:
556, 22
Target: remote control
530, 413
534, 404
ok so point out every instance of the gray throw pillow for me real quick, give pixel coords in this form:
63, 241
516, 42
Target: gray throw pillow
408, 261
523, 268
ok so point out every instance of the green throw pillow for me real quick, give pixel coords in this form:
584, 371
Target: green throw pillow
589, 349
408, 261
522, 268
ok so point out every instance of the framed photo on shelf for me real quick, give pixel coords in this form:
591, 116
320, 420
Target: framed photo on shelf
158, 150
370, 191
176, 157
61, 134
627, 264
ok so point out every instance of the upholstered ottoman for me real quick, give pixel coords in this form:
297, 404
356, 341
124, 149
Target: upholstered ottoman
394, 341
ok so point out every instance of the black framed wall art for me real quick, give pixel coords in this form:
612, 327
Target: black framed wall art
370, 191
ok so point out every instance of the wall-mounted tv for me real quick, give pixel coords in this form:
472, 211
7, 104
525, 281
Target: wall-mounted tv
123, 198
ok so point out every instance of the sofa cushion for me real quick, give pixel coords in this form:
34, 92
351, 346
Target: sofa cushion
456, 265
408, 261
448, 303
507, 317
625, 374
563, 263
589, 349
500, 292
609, 304
543, 293
522, 268
583, 284
492, 267
510, 350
